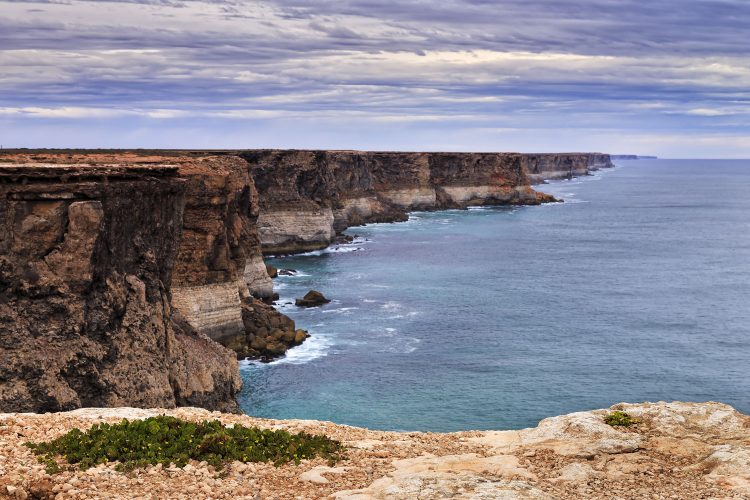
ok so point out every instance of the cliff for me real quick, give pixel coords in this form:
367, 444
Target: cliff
309, 196
126, 265
86, 261
118, 271
551, 166
676, 450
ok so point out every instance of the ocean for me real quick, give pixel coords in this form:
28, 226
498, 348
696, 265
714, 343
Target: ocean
637, 288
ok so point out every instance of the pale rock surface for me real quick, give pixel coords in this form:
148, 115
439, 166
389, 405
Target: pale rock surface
282, 231
678, 450
256, 277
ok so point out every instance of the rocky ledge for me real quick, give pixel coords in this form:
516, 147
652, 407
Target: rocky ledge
677, 450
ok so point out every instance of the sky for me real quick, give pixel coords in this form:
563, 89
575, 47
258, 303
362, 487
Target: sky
668, 78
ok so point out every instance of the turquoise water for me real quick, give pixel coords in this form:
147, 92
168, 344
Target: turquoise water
637, 288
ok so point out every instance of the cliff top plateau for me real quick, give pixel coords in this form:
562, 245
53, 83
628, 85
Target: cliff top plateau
676, 450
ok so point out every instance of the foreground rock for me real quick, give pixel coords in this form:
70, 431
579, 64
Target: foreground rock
313, 298
679, 450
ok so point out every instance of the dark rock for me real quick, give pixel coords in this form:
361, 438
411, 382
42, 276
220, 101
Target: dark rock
287, 272
87, 257
300, 336
313, 298
272, 271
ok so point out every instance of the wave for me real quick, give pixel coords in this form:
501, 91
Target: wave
297, 274
315, 347
344, 248
340, 310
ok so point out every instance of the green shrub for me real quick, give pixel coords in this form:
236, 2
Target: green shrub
620, 419
164, 440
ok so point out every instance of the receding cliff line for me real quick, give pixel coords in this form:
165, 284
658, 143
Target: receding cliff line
551, 166
307, 197
119, 270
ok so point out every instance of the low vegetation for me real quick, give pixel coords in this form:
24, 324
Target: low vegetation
168, 440
620, 419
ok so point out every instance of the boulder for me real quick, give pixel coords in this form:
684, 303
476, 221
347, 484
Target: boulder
272, 271
313, 298
300, 336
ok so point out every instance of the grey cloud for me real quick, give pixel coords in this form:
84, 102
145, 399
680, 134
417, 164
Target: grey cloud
608, 63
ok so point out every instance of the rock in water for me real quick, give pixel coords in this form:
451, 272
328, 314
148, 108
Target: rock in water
313, 298
272, 271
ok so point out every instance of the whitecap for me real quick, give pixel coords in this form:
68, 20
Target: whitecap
315, 347
340, 310
391, 305
332, 249
297, 274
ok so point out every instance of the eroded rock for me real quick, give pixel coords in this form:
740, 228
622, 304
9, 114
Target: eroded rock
313, 298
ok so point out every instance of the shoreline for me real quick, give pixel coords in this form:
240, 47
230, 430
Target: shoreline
157, 256
333, 246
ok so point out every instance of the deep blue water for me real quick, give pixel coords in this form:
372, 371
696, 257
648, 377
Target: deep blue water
637, 288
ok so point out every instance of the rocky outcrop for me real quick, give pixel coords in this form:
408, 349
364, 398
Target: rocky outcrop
677, 450
268, 333
87, 255
309, 196
313, 298
551, 166
130, 271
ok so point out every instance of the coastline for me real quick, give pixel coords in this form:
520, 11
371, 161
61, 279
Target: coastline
344, 247
182, 286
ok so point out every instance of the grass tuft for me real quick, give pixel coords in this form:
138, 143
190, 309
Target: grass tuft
168, 440
620, 419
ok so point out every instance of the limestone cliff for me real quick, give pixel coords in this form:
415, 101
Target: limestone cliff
86, 262
551, 166
308, 196
119, 270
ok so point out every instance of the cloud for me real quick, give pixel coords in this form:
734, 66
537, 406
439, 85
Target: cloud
437, 68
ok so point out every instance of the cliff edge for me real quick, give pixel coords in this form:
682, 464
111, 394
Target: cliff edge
676, 450
119, 269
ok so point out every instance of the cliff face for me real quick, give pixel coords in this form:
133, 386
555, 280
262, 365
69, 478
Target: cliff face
86, 262
550, 166
308, 196
119, 270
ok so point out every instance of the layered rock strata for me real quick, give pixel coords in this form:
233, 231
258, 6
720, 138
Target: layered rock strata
552, 166
306, 197
677, 450
130, 266
116, 256
87, 255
